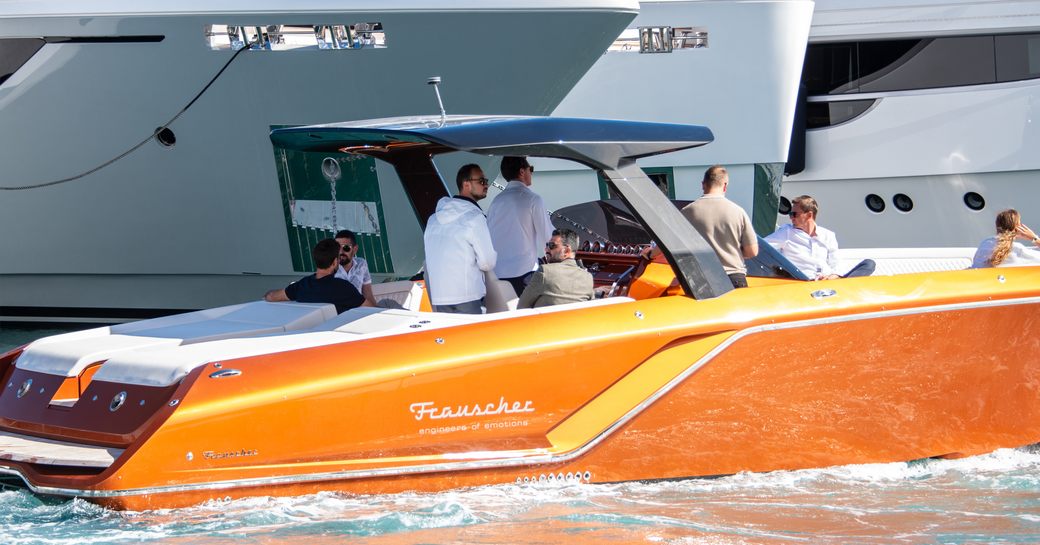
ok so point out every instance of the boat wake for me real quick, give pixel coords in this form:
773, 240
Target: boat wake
989, 498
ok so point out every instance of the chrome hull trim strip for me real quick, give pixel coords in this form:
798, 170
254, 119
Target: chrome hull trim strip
514, 461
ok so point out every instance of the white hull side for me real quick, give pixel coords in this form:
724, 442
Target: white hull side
743, 86
209, 208
933, 145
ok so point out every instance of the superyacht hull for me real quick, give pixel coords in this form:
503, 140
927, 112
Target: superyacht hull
200, 219
931, 135
733, 66
916, 117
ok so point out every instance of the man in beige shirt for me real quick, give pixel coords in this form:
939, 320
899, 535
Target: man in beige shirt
722, 223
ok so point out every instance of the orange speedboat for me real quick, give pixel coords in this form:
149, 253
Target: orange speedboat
673, 375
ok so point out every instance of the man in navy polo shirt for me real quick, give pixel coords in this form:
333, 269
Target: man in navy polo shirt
322, 286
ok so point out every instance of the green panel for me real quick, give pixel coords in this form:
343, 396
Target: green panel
306, 204
768, 183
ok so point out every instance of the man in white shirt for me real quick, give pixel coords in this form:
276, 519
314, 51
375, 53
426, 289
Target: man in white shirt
352, 267
810, 247
519, 225
458, 246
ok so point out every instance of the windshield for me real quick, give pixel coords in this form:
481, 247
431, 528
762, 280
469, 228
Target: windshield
608, 226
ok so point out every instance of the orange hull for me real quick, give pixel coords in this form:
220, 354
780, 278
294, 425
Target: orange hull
761, 379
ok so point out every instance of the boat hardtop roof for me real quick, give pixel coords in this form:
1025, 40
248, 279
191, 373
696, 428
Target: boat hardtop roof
610, 146
599, 143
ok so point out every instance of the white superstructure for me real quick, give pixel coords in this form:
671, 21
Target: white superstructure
196, 216
922, 119
732, 65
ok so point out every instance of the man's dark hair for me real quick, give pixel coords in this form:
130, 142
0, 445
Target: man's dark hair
568, 237
346, 233
511, 167
325, 252
465, 171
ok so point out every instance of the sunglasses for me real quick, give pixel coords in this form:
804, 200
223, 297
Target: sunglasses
552, 245
481, 181
794, 214
530, 167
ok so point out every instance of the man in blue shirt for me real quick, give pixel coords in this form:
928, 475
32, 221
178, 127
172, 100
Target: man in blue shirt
322, 286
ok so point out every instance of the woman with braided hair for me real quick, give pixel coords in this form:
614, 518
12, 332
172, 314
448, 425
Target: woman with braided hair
1002, 250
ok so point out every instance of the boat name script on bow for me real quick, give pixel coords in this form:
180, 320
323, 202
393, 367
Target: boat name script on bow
430, 409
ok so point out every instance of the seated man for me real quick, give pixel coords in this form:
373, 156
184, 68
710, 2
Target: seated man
811, 248
560, 280
352, 267
322, 286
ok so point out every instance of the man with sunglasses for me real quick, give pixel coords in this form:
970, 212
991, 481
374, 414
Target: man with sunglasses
458, 246
519, 224
352, 267
560, 280
810, 247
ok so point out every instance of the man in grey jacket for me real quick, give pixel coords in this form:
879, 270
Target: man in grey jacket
560, 280
458, 246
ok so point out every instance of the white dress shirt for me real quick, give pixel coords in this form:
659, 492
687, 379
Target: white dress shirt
358, 273
519, 229
813, 255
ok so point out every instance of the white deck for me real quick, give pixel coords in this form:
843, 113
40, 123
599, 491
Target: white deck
166, 366
907, 260
35, 450
69, 354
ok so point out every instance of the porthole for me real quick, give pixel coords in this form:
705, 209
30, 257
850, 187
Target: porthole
974, 201
785, 207
903, 202
165, 137
875, 203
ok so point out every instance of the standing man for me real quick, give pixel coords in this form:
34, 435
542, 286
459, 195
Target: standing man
724, 224
322, 286
352, 267
561, 280
458, 246
810, 247
519, 224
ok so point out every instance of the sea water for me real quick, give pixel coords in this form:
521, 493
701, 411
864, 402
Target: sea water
993, 498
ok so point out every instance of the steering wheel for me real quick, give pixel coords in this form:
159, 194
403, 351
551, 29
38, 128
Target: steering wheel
620, 285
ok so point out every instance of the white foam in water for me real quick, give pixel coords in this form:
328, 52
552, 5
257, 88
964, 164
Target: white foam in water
994, 497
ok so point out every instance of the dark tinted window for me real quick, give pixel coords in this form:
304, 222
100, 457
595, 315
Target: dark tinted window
1018, 57
825, 114
939, 62
896, 65
830, 68
14, 52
